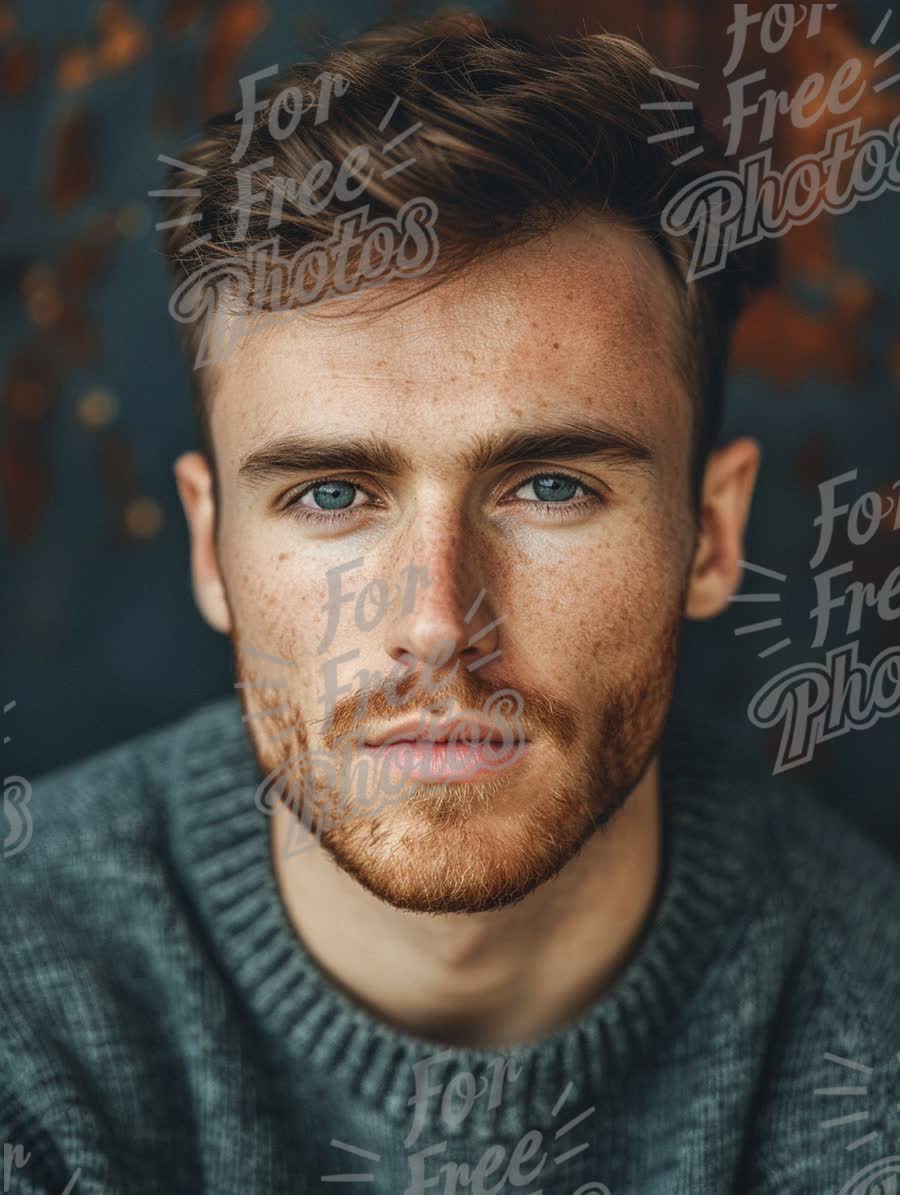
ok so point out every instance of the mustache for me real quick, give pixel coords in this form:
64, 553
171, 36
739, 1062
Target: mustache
388, 699
459, 694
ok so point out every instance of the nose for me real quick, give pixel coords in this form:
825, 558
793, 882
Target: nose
446, 622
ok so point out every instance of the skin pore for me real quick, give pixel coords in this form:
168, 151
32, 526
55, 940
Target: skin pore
522, 434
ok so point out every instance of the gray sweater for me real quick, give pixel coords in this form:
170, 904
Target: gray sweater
163, 1030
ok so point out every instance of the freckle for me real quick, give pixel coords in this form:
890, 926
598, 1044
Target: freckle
569, 298
556, 344
282, 556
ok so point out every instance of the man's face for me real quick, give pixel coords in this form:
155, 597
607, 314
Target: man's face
504, 462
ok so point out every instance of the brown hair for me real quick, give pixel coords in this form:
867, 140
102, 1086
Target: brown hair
516, 137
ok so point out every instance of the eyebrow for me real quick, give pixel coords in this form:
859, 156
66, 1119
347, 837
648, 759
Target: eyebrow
570, 440
300, 454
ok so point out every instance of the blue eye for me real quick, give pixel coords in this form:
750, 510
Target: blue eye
553, 487
332, 495
332, 500
335, 501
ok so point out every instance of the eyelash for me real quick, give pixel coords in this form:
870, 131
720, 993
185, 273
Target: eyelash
556, 510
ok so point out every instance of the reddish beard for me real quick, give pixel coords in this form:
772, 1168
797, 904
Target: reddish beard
437, 849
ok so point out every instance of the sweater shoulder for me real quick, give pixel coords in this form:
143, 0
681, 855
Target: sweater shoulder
97, 939
91, 871
827, 935
825, 859
108, 806
840, 890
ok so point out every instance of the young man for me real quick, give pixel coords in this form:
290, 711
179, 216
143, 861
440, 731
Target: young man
452, 530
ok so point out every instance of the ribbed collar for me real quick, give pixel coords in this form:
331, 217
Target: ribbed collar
710, 884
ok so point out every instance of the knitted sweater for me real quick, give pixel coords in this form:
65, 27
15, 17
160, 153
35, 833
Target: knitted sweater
162, 1028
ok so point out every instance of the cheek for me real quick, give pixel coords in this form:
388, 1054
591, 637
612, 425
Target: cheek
278, 609
604, 605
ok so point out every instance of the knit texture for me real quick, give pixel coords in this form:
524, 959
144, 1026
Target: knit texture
162, 1028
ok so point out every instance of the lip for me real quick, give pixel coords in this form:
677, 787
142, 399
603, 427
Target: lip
461, 730
433, 762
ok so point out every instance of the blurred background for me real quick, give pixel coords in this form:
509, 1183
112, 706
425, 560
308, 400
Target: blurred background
101, 639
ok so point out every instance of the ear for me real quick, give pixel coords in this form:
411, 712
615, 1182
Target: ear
724, 506
195, 487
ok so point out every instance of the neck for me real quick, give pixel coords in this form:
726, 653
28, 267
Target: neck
459, 978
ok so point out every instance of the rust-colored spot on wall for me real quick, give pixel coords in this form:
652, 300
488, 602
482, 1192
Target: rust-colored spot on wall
143, 518
90, 255
76, 337
28, 399
42, 295
7, 19
786, 343
28, 396
73, 171
136, 515
121, 38
121, 41
826, 54
181, 16
236, 25
808, 249
75, 68
53, 300
18, 67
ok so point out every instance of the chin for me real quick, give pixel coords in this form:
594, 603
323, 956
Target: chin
448, 852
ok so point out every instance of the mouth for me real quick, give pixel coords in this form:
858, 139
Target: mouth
442, 762
423, 728
441, 752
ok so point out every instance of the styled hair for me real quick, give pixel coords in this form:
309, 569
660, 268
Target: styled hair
512, 138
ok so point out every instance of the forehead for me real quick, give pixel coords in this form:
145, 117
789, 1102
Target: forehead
584, 320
